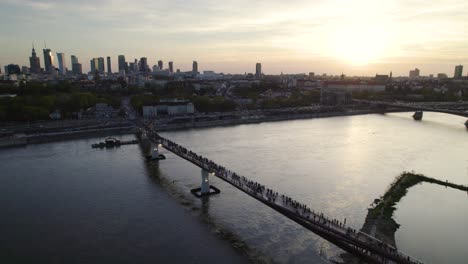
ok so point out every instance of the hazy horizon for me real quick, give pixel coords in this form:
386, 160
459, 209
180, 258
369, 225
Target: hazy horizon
357, 38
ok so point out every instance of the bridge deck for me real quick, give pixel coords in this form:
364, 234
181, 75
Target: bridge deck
368, 247
361, 243
415, 107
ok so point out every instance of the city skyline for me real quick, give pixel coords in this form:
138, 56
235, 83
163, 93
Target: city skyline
358, 38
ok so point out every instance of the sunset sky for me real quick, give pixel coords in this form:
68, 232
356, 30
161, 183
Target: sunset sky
355, 37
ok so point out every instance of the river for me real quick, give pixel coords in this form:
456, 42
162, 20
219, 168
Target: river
64, 202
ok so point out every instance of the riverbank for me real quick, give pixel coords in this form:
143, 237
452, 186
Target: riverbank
58, 133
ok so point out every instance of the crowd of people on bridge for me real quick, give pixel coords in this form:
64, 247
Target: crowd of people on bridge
268, 195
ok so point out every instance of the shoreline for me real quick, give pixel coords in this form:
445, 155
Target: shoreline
39, 138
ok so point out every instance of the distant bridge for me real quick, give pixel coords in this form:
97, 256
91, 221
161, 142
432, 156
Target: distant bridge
361, 244
439, 108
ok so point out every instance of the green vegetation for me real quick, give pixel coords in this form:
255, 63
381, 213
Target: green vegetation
35, 101
399, 188
139, 100
216, 104
295, 100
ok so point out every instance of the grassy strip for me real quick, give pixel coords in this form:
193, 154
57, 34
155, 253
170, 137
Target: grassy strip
398, 189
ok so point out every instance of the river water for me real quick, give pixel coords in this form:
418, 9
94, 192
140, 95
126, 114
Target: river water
67, 203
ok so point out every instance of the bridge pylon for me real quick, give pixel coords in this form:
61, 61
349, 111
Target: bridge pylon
154, 152
418, 115
205, 188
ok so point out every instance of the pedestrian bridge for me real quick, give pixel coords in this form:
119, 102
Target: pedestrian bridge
361, 244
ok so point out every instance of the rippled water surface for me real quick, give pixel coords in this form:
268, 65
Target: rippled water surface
65, 202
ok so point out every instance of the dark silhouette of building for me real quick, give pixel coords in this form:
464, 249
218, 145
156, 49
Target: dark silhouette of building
195, 67
13, 69
258, 70
458, 72
160, 64
143, 64
101, 65
34, 62
77, 69
122, 63
171, 66
109, 69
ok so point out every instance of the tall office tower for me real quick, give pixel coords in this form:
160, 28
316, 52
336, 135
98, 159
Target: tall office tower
25, 70
61, 63
258, 70
131, 67
77, 69
48, 61
122, 63
160, 64
94, 65
74, 60
34, 63
413, 74
109, 69
195, 67
143, 64
458, 72
100, 64
171, 66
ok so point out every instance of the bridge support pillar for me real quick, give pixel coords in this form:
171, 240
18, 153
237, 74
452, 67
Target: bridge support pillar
205, 188
418, 115
466, 123
205, 184
154, 152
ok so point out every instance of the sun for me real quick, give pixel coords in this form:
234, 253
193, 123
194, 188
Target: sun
359, 44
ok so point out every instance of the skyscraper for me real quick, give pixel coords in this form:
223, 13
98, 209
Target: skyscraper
458, 72
195, 67
94, 65
74, 60
100, 64
258, 70
109, 70
160, 64
61, 62
143, 64
122, 63
171, 66
48, 61
34, 63
77, 69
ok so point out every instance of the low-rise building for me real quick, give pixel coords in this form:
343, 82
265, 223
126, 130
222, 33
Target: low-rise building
150, 111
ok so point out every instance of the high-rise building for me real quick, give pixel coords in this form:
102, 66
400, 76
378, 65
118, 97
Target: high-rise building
74, 60
100, 64
171, 66
143, 64
414, 74
160, 64
77, 69
48, 61
25, 70
61, 63
195, 67
94, 65
258, 70
12, 69
458, 72
109, 69
34, 62
122, 63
